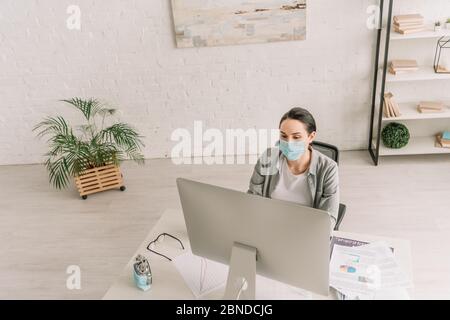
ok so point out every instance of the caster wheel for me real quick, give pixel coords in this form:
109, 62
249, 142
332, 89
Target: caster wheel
122, 188
84, 197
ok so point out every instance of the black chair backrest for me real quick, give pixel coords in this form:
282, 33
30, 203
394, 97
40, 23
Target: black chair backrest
333, 153
327, 149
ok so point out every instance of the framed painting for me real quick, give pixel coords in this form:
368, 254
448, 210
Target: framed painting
204, 23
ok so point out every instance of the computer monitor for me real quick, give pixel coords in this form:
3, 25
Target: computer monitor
277, 239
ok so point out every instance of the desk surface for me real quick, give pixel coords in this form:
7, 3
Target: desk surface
168, 283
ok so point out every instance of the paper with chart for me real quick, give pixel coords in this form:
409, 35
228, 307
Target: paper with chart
391, 274
204, 276
365, 270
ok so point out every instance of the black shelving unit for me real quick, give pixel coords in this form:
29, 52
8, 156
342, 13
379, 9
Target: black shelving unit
374, 150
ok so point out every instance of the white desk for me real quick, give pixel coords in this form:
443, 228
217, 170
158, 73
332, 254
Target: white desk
167, 281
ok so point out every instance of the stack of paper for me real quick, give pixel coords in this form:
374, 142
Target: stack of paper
366, 270
409, 23
403, 66
430, 107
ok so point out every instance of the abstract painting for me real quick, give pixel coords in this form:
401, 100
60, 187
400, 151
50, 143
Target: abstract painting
205, 23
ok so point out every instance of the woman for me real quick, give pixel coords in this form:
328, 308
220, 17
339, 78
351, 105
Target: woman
294, 171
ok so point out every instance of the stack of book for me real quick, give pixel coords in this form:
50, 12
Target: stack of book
443, 140
390, 107
430, 107
403, 66
409, 23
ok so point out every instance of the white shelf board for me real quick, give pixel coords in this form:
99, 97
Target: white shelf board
427, 34
424, 73
409, 112
416, 146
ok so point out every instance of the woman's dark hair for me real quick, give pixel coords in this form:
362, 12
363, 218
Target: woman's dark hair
302, 115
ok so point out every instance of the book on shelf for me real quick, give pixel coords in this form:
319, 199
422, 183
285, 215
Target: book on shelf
391, 108
409, 23
441, 142
429, 110
408, 17
437, 105
394, 105
402, 25
399, 29
407, 27
387, 108
403, 71
403, 66
387, 111
430, 107
442, 69
410, 31
404, 63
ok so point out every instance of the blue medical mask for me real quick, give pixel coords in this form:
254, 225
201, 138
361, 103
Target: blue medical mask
292, 150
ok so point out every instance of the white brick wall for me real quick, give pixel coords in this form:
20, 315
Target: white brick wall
125, 53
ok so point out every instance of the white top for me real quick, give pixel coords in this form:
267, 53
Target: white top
293, 188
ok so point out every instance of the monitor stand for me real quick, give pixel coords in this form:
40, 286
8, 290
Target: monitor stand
242, 273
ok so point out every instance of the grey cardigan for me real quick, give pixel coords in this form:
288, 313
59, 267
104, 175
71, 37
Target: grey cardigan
323, 180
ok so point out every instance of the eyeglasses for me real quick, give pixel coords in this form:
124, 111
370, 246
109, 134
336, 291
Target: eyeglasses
157, 239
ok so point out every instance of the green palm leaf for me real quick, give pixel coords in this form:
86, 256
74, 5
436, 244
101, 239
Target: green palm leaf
88, 107
123, 135
58, 172
52, 125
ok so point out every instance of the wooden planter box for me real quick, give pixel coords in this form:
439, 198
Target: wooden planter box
99, 179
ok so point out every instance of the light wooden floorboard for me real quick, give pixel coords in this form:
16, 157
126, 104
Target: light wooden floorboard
42, 231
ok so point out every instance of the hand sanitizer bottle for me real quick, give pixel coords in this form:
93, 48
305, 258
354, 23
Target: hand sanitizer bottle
142, 273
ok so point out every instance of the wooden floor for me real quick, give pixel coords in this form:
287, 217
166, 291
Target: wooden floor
43, 231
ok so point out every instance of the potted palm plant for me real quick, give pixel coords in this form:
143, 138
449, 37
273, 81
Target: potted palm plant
91, 153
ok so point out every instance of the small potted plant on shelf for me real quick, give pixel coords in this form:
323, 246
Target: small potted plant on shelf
447, 24
92, 153
395, 135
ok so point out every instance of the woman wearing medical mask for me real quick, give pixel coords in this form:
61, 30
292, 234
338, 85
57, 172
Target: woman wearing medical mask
294, 171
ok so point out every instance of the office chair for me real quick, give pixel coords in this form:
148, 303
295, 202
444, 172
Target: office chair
333, 153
